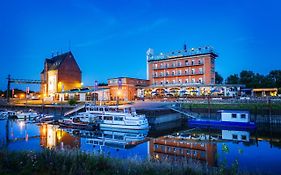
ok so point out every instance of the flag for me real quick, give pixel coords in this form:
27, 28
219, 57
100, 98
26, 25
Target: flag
119, 83
96, 85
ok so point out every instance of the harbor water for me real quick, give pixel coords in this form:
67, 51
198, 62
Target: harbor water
254, 150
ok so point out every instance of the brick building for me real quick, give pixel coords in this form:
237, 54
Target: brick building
60, 73
173, 148
125, 88
183, 67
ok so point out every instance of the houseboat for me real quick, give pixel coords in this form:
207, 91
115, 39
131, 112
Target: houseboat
229, 118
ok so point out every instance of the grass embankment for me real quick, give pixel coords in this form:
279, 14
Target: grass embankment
246, 106
74, 162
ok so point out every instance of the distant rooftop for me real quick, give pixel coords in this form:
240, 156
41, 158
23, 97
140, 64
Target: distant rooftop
180, 53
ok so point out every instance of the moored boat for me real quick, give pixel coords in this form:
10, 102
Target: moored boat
229, 118
115, 118
26, 115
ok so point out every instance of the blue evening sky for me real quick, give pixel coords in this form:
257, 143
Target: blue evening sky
109, 38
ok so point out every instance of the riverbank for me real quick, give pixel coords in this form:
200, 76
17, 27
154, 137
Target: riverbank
275, 108
75, 162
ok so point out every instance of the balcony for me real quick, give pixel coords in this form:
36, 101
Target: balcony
177, 75
177, 66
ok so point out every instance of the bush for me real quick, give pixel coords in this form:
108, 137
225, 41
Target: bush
72, 102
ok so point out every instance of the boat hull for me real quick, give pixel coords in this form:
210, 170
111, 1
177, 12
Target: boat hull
117, 126
220, 124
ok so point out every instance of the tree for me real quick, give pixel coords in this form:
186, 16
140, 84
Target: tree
275, 76
233, 79
219, 78
247, 77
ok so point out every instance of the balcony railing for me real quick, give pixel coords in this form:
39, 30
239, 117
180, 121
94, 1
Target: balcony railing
177, 66
176, 75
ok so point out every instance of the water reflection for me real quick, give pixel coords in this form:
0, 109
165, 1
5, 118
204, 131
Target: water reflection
255, 149
51, 136
180, 147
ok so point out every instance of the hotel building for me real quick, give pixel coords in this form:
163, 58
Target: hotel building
182, 73
194, 66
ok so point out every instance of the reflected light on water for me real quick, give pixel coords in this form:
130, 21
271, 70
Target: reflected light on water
21, 124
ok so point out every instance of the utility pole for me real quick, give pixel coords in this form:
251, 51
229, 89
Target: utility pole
8, 88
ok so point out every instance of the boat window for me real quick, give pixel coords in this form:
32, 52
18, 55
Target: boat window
243, 116
105, 109
118, 118
118, 137
234, 136
101, 109
108, 136
243, 137
107, 117
234, 115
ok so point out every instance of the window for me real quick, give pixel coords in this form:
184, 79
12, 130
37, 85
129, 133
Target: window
186, 81
179, 72
155, 147
186, 62
155, 66
161, 65
161, 82
179, 63
201, 70
180, 81
116, 118
193, 80
234, 136
192, 71
173, 73
199, 61
174, 81
167, 82
167, 65
233, 115
118, 137
200, 80
108, 118
192, 62
168, 149
167, 73
186, 71
243, 137
243, 116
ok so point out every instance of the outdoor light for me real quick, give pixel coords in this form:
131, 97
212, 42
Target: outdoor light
118, 92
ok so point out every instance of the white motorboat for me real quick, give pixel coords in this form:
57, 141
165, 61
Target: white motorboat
114, 118
7, 114
26, 115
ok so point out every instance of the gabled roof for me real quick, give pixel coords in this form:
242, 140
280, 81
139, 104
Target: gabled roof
55, 62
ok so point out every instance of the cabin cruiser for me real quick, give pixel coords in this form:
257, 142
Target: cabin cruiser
26, 115
115, 118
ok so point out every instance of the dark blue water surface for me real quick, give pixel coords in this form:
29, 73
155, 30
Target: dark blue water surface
255, 151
